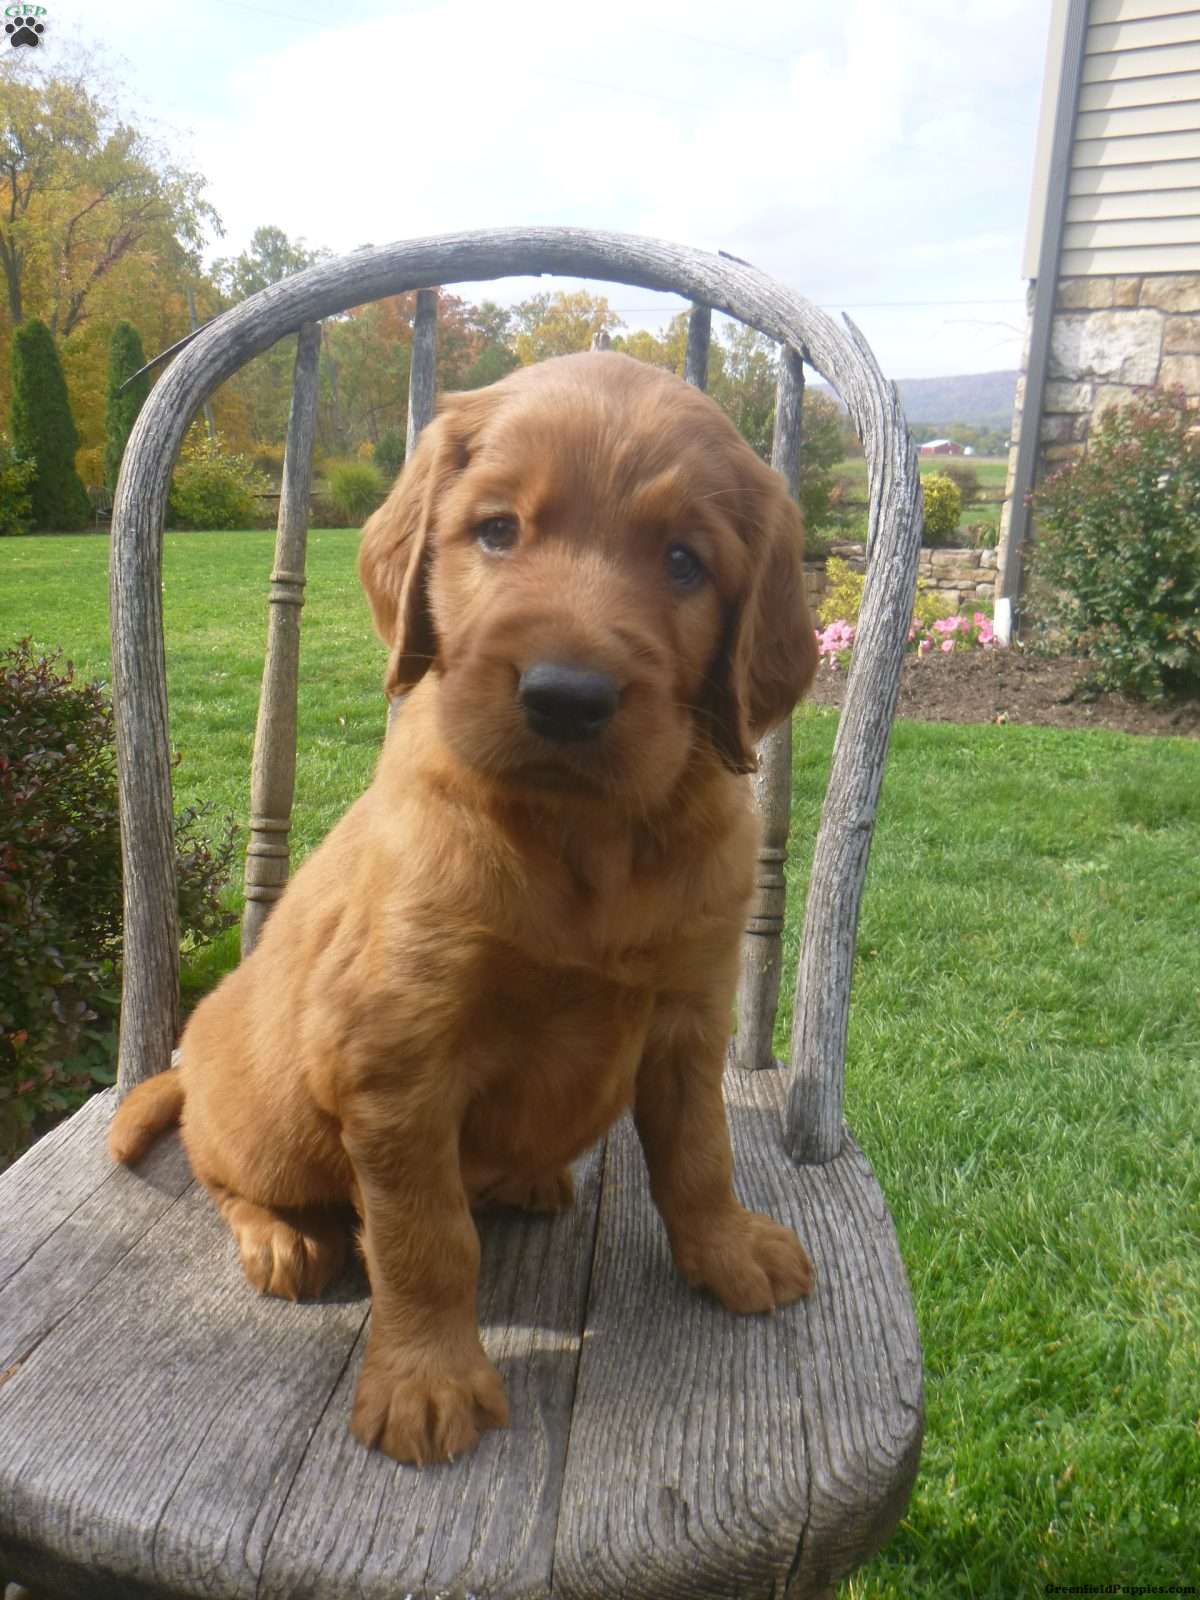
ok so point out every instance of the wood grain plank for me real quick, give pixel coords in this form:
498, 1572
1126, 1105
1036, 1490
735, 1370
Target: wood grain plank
90, 1239
714, 1455
358, 1525
177, 1434
149, 1435
50, 1181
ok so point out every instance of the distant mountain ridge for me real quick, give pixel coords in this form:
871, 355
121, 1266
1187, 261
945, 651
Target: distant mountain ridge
981, 399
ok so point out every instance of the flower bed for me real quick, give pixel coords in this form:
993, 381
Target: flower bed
836, 640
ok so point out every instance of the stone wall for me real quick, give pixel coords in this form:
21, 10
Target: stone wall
1110, 338
964, 578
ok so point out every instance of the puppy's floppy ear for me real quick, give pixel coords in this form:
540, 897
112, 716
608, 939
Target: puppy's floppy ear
770, 648
395, 554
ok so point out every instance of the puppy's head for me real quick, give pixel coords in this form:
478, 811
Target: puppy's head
601, 574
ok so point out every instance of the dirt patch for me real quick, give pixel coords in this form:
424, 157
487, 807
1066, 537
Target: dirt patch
1007, 686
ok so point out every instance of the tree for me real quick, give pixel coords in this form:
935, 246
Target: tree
44, 430
263, 387
83, 194
125, 357
270, 258
559, 324
822, 446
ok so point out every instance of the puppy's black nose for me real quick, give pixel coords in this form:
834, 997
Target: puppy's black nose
566, 703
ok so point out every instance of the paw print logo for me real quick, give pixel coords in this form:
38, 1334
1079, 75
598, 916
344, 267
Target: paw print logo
24, 30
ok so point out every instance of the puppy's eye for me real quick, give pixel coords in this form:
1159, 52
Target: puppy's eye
684, 567
496, 534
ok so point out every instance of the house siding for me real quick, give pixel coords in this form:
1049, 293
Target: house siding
1125, 299
1135, 163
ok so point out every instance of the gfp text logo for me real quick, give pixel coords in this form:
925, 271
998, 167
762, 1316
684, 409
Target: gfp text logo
24, 25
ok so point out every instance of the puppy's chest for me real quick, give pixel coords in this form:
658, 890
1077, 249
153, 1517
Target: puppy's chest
658, 924
553, 1053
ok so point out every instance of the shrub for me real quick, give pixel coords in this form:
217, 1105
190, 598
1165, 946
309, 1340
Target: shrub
44, 431
356, 488
1117, 553
965, 477
268, 459
214, 487
844, 594
943, 508
389, 454
60, 889
16, 486
125, 357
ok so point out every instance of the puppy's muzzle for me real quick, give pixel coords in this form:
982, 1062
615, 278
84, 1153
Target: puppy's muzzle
566, 704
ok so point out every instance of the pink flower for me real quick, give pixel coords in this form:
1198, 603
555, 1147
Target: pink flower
925, 646
947, 646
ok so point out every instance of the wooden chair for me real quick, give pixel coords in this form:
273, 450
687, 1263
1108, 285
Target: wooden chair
166, 1432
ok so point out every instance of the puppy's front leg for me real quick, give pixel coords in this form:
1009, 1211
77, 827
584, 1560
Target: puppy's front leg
748, 1261
427, 1389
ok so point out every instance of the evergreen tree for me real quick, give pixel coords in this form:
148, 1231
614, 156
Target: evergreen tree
125, 357
43, 430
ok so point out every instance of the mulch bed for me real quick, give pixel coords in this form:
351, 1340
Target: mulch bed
1008, 686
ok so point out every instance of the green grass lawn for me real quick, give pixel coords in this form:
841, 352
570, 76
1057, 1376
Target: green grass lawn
1022, 1066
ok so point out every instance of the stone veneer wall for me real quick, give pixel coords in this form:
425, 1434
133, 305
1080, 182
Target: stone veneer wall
962, 577
1110, 338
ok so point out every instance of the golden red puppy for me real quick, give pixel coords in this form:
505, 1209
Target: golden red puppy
592, 590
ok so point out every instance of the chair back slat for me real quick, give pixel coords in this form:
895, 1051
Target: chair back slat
273, 773
699, 337
752, 1046
422, 378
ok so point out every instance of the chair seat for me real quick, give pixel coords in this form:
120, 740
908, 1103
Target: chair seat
166, 1431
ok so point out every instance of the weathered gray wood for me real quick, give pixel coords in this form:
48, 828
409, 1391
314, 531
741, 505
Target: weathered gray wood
273, 773
752, 1046
68, 1223
823, 977
714, 1455
699, 336
739, 290
422, 378
171, 1433
178, 1434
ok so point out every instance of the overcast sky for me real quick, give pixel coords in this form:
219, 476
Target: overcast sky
875, 155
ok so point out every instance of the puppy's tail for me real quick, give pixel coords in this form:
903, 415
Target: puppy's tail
146, 1111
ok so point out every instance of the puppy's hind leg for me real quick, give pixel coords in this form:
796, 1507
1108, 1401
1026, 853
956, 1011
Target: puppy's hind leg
291, 1254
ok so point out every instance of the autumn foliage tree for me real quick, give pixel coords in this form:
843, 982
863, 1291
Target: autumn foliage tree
125, 357
83, 195
43, 430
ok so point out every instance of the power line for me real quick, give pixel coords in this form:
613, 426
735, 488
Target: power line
848, 305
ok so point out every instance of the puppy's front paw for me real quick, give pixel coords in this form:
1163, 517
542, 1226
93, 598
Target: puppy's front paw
426, 1407
748, 1261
